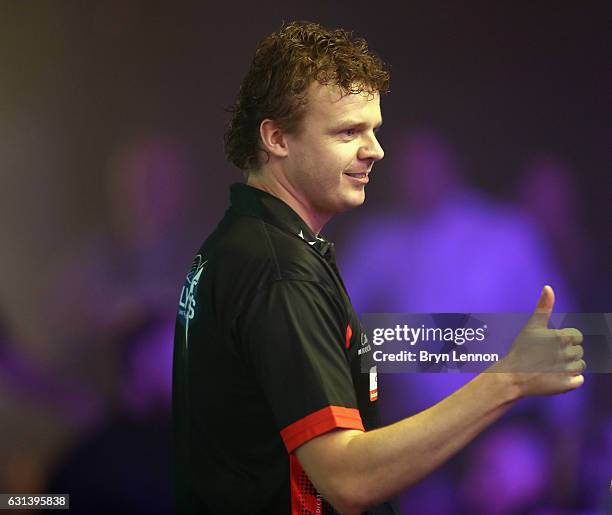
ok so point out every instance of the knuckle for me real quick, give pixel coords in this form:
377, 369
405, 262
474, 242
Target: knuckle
575, 352
559, 336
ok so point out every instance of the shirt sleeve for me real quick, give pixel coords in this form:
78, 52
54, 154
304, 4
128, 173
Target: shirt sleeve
293, 335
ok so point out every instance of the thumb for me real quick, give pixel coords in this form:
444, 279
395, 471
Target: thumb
543, 309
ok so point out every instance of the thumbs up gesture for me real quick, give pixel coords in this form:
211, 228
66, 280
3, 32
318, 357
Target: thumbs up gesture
545, 361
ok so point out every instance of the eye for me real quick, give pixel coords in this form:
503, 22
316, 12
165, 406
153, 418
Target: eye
349, 132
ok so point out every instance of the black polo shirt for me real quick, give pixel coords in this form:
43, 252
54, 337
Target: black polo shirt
266, 358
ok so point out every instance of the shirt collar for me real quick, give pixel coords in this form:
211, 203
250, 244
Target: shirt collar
249, 201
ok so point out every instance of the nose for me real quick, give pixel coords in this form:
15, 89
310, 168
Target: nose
371, 149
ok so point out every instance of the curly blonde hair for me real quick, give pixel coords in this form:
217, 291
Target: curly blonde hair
285, 64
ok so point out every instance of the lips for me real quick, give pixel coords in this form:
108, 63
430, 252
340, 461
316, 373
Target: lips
360, 178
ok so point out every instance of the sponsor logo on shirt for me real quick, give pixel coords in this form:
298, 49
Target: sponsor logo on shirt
301, 235
365, 347
187, 301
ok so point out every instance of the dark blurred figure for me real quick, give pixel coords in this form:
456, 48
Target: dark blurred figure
445, 246
122, 270
547, 193
40, 411
23, 460
125, 465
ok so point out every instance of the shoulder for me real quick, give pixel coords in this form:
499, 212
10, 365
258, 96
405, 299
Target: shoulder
246, 256
259, 247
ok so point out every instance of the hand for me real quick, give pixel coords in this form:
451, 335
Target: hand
544, 361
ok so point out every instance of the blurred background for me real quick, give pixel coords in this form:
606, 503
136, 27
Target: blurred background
496, 181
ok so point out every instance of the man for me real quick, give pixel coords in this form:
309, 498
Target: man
272, 412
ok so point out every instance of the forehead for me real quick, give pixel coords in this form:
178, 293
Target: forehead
329, 103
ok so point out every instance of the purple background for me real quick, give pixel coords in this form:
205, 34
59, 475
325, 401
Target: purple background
111, 121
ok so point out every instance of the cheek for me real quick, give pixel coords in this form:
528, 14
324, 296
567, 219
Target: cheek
320, 164
337, 159
305, 157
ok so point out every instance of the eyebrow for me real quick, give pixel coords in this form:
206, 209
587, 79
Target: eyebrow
354, 123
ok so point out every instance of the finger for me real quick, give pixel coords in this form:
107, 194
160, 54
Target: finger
573, 352
564, 339
573, 335
576, 367
574, 382
543, 310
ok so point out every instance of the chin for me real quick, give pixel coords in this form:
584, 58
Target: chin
355, 199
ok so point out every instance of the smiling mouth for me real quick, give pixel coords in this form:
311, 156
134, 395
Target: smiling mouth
357, 175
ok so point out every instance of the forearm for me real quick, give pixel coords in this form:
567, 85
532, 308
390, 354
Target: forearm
377, 465
389, 460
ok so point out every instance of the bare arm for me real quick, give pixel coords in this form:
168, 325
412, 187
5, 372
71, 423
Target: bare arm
355, 470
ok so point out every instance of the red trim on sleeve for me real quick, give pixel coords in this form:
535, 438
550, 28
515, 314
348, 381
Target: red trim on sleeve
349, 335
318, 423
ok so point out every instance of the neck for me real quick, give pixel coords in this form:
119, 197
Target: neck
283, 190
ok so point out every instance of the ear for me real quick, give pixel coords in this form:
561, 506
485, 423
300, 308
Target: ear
272, 138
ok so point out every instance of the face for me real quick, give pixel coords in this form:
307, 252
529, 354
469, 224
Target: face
330, 159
